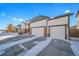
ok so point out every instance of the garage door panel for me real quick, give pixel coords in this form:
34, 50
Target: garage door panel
57, 32
38, 31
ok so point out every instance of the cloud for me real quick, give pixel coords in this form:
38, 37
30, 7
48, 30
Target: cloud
67, 11
8, 16
1, 27
3, 14
20, 19
15, 19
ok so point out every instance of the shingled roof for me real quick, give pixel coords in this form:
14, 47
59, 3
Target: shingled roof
40, 17
67, 14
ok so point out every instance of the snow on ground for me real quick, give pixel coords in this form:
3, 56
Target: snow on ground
36, 42
38, 48
4, 46
1, 52
4, 37
74, 38
22, 46
75, 47
7, 36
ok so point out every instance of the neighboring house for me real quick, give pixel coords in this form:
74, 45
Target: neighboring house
23, 27
77, 16
59, 26
10, 28
18, 28
38, 25
74, 30
27, 26
77, 23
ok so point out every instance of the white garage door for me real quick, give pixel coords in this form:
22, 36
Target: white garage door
57, 32
38, 31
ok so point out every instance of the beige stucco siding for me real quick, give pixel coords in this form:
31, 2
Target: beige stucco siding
78, 21
58, 21
38, 23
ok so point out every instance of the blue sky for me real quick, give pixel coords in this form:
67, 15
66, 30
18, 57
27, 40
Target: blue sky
16, 13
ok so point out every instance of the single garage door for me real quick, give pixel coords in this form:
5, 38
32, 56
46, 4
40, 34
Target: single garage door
57, 32
38, 31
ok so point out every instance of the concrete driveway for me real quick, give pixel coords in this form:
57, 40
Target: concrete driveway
57, 48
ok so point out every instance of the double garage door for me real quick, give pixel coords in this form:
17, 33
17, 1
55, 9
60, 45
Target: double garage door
57, 32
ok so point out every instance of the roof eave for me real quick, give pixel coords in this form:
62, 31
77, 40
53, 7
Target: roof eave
38, 20
67, 14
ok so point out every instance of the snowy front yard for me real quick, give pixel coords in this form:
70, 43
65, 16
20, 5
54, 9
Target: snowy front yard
38, 46
7, 36
20, 47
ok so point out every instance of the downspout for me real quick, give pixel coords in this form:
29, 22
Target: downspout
25, 27
69, 27
46, 27
29, 29
20, 29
